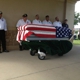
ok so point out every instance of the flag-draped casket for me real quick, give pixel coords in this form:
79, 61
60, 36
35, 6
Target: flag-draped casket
42, 31
57, 37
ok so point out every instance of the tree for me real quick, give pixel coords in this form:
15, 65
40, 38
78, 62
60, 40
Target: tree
76, 18
76, 32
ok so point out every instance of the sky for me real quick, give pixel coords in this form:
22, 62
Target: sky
77, 9
77, 6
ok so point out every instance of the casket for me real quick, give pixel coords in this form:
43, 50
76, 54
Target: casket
45, 40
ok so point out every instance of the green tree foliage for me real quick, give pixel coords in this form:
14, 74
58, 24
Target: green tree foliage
76, 32
76, 18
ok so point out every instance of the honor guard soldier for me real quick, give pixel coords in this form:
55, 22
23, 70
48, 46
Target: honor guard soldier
47, 21
37, 21
3, 29
22, 22
57, 23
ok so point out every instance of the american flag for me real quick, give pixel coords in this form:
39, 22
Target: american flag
42, 31
62, 32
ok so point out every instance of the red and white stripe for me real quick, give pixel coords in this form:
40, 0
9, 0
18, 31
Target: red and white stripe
38, 30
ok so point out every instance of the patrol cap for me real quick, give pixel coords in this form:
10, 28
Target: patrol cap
0, 12
47, 16
24, 15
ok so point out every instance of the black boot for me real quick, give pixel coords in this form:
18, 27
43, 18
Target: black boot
5, 50
0, 52
20, 47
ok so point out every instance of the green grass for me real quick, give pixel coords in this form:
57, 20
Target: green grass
76, 42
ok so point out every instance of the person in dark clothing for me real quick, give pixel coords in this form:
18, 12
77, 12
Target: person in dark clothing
64, 24
3, 29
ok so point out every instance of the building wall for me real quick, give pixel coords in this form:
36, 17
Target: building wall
70, 9
13, 11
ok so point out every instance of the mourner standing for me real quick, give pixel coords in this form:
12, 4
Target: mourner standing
3, 29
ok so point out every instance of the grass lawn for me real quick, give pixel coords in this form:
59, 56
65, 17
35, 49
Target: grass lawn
76, 42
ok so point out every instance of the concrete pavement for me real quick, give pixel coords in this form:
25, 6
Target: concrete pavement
19, 65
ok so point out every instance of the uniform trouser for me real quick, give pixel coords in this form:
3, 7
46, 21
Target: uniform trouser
2, 39
20, 46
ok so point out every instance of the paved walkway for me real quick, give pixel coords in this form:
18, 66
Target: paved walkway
17, 65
